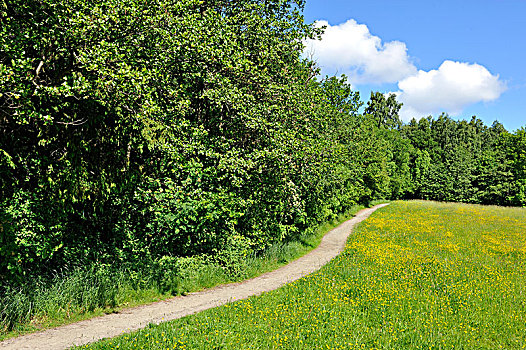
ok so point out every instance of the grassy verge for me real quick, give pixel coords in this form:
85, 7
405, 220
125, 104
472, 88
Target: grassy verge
414, 275
94, 291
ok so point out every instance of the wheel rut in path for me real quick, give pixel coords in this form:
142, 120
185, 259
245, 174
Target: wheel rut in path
132, 319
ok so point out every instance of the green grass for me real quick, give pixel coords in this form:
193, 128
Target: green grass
414, 275
89, 292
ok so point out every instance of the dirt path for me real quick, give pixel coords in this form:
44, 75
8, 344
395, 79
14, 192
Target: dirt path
135, 318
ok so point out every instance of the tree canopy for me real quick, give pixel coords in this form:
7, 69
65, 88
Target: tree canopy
136, 130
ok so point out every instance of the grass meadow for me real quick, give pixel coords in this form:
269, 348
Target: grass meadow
414, 275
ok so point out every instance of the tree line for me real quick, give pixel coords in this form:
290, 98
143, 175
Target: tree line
132, 131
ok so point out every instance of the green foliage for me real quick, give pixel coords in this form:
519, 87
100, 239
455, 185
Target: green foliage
151, 129
384, 110
465, 161
515, 151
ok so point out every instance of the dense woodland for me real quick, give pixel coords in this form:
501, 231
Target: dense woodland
133, 132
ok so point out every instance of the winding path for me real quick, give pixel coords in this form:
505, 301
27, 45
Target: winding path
132, 319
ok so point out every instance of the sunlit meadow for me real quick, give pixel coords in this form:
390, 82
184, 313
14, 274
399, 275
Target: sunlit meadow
414, 275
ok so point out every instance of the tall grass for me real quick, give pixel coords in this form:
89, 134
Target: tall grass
94, 290
415, 275
68, 296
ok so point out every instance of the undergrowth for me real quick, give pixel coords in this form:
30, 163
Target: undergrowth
94, 290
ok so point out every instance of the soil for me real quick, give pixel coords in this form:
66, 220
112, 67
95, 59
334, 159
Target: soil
132, 319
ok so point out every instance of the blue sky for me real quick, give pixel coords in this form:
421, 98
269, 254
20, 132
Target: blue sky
462, 57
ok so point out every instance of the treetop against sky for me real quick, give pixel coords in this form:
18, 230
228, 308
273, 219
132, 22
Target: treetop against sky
460, 57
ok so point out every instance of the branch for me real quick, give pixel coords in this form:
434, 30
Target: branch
40, 65
74, 123
39, 68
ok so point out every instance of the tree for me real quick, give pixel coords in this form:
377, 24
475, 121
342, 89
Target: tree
515, 148
384, 110
140, 129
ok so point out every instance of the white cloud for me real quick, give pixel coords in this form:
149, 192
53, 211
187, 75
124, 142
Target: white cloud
349, 48
450, 88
